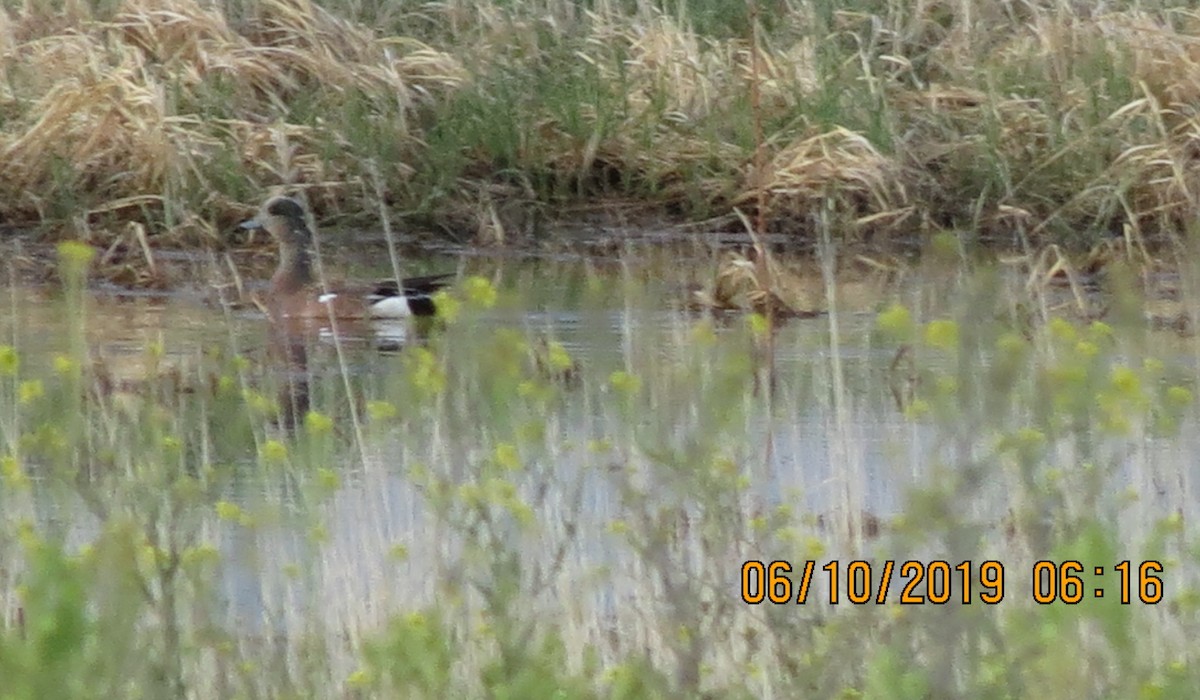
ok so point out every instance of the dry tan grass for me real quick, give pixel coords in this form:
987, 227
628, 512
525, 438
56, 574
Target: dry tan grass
118, 109
675, 80
1153, 175
840, 164
1162, 168
94, 109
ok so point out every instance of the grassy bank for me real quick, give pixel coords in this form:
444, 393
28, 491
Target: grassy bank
1033, 122
480, 516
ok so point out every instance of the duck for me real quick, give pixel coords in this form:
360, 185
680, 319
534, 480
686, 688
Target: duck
296, 293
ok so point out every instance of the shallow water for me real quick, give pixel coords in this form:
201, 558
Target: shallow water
833, 446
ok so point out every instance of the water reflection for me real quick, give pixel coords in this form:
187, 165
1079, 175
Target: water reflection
828, 442
287, 358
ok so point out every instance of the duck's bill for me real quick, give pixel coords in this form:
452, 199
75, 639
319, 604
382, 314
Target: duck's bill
250, 224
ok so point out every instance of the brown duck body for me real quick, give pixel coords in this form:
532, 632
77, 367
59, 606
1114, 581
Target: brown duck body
296, 293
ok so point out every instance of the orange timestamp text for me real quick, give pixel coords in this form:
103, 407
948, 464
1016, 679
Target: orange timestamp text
939, 582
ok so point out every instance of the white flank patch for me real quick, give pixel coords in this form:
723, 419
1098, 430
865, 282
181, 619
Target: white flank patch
326, 298
391, 307
390, 333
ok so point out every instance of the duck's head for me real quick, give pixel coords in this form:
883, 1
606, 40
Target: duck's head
283, 218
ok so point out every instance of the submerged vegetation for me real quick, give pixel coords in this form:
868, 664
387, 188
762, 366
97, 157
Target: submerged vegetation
1018, 123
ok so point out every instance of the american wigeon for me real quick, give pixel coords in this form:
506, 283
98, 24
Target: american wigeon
296, 293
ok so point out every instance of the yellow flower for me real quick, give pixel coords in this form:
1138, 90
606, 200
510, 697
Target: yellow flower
896, 322
258, 403
447, 306
1179, 396
64, 365
318, 423
328, 479
13, 474
426, 373
759, 326
917, 408
506, 456
362, 678
558, 356
480, 292
274, 451
228, 511
9, 360
624, 382
381, 410
1062, 329
942, 334
1100, 329
1125, 381
30, 391
74, 257
200, 555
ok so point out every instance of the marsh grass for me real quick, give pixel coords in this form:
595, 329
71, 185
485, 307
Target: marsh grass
456, 519
1043, 123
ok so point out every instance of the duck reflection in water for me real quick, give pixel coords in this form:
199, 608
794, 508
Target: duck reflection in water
287, 352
